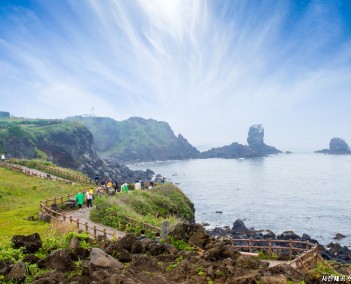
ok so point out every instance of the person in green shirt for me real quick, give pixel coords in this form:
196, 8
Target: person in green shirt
125, 187
80, 200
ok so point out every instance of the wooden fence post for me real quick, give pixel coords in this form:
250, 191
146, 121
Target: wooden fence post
250, 245
78, 223
105, 234
94, 232
164, 230
61, 201
270, 248
86, 227
290, 249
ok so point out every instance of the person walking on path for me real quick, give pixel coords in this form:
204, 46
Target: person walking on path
89, 198
3, 157
80, 200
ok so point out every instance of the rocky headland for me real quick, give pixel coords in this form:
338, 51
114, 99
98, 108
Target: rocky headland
337, 146
255, 148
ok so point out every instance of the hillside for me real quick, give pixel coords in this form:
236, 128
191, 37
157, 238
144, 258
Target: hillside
66, 143
19, 198
137, 139
163, 202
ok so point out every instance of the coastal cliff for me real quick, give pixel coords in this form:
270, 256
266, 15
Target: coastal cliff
67, 144
136, 139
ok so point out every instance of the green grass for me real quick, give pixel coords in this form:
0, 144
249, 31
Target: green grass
163, 202
19, 198
49, 168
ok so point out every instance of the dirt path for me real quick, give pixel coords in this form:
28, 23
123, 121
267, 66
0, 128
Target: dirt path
83, 216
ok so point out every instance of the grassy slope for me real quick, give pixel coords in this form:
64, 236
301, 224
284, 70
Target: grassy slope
113, 136
19, 198
163, 202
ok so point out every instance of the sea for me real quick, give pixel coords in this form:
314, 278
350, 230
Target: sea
301, 192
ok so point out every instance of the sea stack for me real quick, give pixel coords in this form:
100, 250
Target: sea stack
255, 140
337, 146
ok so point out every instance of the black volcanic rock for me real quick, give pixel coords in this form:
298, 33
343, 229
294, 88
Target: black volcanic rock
232, 151
255, 141
337, 146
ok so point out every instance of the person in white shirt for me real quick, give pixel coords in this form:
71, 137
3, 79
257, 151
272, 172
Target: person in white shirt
89, 198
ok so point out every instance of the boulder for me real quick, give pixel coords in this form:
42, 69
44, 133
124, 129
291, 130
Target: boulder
17, 273
118, 251
284, 269
127, 241
31, 259
73, 244
239, 227
59, 260
103, 260
199, 239
31, 243
137, 247
5, 266
339, 236
185, 231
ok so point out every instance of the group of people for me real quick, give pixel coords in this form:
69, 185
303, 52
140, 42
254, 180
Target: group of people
143, 236
88, 197
112, 185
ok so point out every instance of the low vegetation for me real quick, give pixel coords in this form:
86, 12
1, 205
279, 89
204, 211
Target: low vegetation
163, 202
50, 168
19, 199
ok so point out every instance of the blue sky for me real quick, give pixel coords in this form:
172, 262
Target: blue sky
209, 68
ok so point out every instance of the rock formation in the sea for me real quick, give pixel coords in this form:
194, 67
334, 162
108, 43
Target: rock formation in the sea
337, 146
255, 141
256, 147
232, 151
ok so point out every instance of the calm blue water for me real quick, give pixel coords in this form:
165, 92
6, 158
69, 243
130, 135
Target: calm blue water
305, 193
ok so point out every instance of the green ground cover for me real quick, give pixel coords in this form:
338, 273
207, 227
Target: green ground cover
20, 196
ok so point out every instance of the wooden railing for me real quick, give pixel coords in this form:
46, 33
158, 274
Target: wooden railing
91, 230
46, 208
64, 174
301, 262
293, 247
20, 169
307, 260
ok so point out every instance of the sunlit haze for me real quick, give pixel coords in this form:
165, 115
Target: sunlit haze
208, 68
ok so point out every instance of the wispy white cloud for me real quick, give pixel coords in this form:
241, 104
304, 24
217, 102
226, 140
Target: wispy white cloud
210, 69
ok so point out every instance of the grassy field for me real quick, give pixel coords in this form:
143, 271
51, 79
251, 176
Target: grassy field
19, 198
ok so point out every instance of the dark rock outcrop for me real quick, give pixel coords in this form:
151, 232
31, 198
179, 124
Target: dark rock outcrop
59, 260
31, 243
17, 273
232, 151
255, 140
337, 146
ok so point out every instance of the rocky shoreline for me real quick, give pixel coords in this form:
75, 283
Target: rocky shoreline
332, 251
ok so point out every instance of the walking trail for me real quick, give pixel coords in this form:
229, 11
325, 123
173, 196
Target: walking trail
83, 216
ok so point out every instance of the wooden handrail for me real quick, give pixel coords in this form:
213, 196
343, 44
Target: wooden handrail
44, 207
